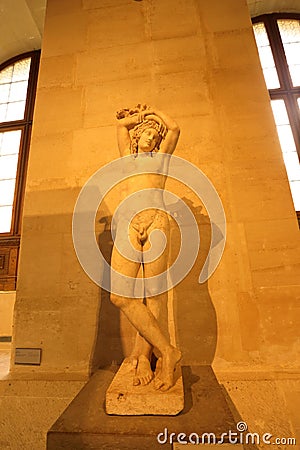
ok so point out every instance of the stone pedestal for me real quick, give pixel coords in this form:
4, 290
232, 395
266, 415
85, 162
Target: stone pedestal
85, 425
124, 399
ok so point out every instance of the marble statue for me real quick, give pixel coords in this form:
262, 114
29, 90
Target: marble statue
145, 130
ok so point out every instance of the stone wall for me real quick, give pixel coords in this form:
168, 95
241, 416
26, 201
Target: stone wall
197, 61
7, 301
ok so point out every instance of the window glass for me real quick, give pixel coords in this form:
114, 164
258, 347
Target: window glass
13, 90
18, 79
288, 148
8, 166
295, 189
290, 36
278, 42
13, 94
5, 218
10, 142
284, 130
7, 190
266, 56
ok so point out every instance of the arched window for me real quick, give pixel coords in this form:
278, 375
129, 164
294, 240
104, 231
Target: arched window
278, 41
18, 79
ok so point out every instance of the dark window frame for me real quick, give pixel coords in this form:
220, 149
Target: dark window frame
286, 91
10, 241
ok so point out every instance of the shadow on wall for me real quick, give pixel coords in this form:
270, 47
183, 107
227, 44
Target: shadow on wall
194, 313
108, 346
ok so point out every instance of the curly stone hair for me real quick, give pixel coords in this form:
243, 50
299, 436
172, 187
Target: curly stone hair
141, 127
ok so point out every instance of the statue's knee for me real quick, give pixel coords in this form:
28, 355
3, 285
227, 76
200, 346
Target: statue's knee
117, 300
153, 290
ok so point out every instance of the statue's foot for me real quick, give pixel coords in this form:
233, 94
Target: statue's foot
164, 374
132, 360
143, 374
158, 367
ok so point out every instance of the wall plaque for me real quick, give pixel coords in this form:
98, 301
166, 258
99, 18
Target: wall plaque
28, 356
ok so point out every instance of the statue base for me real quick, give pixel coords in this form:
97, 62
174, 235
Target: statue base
124, 399
85, 425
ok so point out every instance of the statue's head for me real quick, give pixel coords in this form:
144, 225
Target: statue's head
146, 137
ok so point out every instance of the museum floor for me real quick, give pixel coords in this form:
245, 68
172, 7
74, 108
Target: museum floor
267, 402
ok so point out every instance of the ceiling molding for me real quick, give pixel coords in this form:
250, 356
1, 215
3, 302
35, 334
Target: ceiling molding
259, 7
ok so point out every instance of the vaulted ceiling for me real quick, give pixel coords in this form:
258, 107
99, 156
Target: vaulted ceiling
22, 22
21, 26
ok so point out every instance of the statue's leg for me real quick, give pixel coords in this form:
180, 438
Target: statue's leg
141, 354
143, 319
158, 303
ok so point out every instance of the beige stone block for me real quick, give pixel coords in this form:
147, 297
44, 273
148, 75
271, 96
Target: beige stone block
273, 295
57, 7
262, 406
47, 224
250, 321
51, 202
58, 109
122, 62
234, 270
255, 133
73, 281
273, 243
279, 310
7, 302
255, 199
95, 4
43, 388
65, 33
276, 276
239, 44
178, 54
249, 166
93, 148
170, 92
291, 392
168, 20
229, 15
28, 409
40, 261
200, 140
215, 171
124, 399
57, 71
229, 343
52, 320
102, 101
49, 159
259, 149
103, 33
240, 93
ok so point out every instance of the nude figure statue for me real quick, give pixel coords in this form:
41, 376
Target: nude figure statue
145, 130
